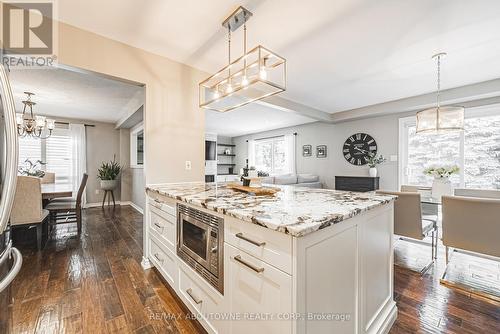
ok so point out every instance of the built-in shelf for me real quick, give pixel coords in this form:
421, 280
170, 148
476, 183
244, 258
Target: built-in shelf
226, 155
226, 164
227, 174
227, 145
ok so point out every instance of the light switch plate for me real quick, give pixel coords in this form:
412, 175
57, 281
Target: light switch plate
393, 158
97, 191
188, 165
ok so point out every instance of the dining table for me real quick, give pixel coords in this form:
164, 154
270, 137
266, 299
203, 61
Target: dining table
56, 190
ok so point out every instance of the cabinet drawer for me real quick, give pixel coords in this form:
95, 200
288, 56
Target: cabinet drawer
270, 246
254, 287
201, 298
164, 204
164, 225
164, 260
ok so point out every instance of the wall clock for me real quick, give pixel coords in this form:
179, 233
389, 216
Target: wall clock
358, 148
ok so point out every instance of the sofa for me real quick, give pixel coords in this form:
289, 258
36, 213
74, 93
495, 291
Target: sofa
299, 180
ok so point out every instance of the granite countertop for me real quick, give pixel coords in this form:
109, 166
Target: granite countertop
293, 210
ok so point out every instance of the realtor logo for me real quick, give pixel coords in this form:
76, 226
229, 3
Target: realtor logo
29, 38
27, 28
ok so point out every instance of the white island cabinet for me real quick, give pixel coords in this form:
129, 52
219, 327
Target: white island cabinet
332, 272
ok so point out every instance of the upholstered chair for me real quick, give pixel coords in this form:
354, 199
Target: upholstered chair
27, 210
409, 222
49, 177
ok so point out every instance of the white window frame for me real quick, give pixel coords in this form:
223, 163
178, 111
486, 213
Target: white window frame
406, 122
271, 140
133, 145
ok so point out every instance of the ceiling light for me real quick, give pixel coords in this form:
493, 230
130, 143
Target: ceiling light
262, 72
30, 124
449, 118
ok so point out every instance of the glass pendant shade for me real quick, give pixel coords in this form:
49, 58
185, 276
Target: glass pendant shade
449, 118
257, 74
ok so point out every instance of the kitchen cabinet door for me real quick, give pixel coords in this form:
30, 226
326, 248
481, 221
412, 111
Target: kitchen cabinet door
259, 294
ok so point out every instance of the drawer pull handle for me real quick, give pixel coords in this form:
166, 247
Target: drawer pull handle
256, 243
193, 297
158, 257
159, 225
251, 266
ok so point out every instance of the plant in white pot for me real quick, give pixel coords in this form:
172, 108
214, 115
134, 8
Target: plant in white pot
108, 174
373, 161
441, 184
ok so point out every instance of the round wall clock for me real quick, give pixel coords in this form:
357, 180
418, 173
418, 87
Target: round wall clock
358, 148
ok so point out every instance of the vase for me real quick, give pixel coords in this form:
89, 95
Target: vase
372, 171
441, 186
109, 184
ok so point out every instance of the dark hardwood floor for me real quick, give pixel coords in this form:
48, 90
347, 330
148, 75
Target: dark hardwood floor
95, 284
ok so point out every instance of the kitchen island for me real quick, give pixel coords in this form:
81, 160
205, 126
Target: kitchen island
301, 261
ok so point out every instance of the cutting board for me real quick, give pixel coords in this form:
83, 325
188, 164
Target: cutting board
261, 191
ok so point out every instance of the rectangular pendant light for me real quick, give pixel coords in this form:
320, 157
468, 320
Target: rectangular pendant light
257, 74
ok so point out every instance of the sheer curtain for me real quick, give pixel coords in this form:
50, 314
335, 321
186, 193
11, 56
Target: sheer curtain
251, 152
290, 153
79, 158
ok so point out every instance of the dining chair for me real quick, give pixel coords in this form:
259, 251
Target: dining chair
471, 224
66, 212
427, 209
49, 177
27, 211
480, 193
410, 223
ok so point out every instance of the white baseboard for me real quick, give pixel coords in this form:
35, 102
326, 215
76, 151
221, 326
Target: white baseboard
133, 205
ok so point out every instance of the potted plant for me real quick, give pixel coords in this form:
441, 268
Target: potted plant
108, 174
32, 168
373, 161
441, 184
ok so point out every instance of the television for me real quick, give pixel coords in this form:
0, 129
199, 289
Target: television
210, 150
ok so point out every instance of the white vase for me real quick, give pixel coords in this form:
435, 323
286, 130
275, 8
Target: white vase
372, 171
441, 186
109, 184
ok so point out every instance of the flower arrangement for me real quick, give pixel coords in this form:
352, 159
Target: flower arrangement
442, 172
32, 168
374, 160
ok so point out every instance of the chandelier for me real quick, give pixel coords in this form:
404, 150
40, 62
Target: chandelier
30, 125
256, 74
449, 118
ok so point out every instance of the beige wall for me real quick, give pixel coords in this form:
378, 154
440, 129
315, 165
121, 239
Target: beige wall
174, 125
126, 177
103, 142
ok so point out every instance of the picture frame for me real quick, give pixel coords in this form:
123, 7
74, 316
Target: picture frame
307, 150
321, 151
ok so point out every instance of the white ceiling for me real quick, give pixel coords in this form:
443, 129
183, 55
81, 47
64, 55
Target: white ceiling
68, 94
250, 119
341, 54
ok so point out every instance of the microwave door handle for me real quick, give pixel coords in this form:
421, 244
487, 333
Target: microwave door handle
11, 152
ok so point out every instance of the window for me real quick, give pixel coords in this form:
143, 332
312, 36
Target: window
55, 152
137, 146
476, 151
58, 152
271, 155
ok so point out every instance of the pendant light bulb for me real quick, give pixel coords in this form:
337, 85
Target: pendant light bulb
229, 88
244, 81
263, 74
